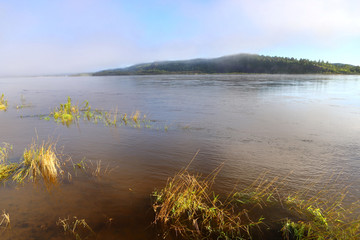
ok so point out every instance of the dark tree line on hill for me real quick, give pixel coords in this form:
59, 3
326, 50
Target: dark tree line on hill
241, 63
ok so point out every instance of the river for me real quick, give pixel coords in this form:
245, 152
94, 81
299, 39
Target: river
300, 126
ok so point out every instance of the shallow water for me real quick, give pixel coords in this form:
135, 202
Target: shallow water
303, 125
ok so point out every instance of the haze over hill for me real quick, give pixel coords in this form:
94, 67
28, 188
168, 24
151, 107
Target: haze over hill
239, 63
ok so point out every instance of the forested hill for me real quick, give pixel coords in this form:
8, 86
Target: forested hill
241, 63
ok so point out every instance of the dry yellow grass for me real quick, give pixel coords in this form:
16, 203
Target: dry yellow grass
6, 169
77, 228
5, 220
39, 162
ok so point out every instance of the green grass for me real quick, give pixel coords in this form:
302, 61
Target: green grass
3, 103
69, 113
322, 216
66, 113
188, 207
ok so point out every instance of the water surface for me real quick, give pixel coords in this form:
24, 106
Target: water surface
306, 125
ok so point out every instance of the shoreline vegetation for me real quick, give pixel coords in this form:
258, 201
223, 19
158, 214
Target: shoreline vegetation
235, 64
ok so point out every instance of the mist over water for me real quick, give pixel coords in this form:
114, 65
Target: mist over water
303, 125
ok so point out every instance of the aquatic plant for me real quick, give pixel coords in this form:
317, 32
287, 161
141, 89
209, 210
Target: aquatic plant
188, 207
322, 216
39, 162
5, 220
3, 103
4, 152
23, 104
69, 113
6, 169
66, 113
77, 228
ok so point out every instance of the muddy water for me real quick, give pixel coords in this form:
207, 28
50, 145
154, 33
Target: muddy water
304, 125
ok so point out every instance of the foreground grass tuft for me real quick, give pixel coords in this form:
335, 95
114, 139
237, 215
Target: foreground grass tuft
39, 162
188, 207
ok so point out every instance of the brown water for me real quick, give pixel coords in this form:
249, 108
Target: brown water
308, 125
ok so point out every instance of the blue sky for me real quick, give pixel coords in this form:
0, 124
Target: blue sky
70, 36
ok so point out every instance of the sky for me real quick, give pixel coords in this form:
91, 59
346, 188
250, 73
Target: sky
40, 37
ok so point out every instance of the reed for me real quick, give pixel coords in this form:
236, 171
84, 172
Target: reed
3, 103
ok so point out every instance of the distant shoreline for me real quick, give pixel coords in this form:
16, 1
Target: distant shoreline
235, 64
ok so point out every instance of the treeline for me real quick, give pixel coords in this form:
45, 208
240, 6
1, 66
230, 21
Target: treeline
241, 63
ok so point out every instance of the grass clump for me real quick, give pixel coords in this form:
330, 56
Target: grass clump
66, 113
6, 169
39, 162
77, 228
3, 103
5, 220
4, 152
187, 206
322, 216
69, 113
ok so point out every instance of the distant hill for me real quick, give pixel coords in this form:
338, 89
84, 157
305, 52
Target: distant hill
240, 63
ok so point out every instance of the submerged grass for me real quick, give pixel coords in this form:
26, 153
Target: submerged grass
5, 220
322, 216
4, 152
3, 103
187, 207
77, 228
39, 162
6, 169
69, 113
